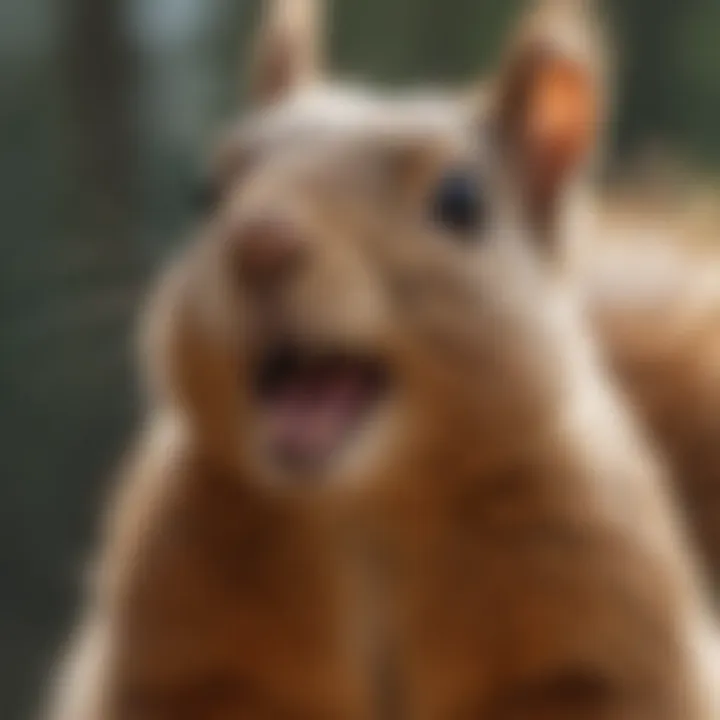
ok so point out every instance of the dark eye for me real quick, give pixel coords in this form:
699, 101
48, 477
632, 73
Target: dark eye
459, 203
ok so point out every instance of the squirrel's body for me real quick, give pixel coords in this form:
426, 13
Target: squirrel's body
554, 583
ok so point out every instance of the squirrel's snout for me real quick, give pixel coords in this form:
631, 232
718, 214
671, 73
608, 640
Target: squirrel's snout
267, 249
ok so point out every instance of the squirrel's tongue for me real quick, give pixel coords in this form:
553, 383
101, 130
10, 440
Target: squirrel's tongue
311, 412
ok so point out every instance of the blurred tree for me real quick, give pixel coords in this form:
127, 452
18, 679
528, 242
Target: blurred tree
99, 74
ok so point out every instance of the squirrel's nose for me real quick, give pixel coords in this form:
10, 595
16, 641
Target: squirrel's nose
268, 248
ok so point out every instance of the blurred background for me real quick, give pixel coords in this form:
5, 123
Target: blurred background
108, 107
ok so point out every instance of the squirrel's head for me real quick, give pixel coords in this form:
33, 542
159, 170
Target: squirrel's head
376, 265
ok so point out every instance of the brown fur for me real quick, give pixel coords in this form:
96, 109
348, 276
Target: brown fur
498, 544
212, 602
656, 306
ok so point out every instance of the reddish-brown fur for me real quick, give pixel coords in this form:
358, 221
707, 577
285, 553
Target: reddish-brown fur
656, 305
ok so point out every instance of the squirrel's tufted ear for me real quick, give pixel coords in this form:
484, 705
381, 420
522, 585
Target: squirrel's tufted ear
550, 102
288, 49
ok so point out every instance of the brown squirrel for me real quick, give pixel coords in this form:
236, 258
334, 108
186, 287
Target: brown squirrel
378, 436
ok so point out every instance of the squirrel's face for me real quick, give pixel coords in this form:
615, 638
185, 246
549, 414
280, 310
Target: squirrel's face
370, 266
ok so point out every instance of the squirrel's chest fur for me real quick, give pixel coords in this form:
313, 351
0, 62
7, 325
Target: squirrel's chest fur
555, 582
553, 585
221, 600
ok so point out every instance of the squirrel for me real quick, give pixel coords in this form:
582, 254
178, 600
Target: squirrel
383, 473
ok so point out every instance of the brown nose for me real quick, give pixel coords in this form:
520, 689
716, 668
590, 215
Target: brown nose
268, 249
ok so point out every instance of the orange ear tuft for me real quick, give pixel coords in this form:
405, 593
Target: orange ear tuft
550, 103
560, 123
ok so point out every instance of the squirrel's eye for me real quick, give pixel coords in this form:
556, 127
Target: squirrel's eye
459, 204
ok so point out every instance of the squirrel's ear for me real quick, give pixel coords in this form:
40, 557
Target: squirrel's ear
287, 52
548, 107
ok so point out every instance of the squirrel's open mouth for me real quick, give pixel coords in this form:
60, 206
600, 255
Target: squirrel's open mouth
312, 402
